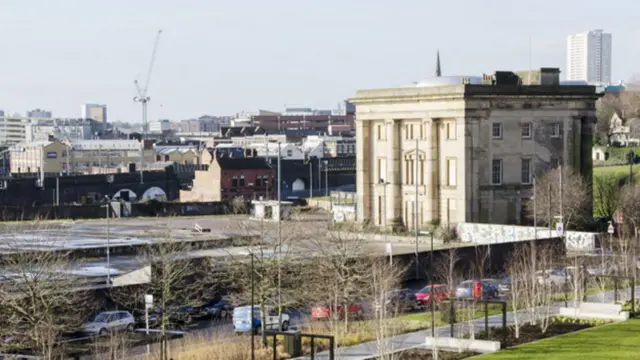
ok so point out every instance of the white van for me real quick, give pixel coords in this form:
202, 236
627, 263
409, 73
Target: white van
242, 319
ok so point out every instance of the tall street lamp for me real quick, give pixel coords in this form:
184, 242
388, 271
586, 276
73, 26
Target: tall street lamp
430, 277
108, 214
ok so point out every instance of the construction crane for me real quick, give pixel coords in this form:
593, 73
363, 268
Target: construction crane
143, 99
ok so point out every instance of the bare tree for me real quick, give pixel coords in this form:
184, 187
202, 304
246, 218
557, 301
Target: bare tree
41, 297
385, 278
178, 279
518, 273
576, 197
546, 288
342, 274
606, 194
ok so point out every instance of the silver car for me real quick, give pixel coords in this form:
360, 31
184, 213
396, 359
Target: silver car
109, 322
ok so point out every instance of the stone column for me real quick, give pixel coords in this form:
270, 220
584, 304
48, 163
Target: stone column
363, 171
394, 174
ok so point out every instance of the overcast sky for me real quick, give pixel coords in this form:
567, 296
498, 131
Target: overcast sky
223, 57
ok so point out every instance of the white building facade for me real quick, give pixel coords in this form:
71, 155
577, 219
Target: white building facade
589, 57
96, 112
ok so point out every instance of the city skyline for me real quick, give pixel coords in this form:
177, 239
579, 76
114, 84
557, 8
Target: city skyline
589, 56
208, 59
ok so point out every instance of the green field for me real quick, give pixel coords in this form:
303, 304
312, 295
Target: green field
621, 170
615, 341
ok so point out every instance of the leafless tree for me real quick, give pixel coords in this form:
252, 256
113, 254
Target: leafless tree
577, 199
342, 274
518, 274
41, 297
385, 278
606, 194
546, 289
178, 278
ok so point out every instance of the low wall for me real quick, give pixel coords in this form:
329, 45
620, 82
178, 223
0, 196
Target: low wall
493, 233
342, 213
477, 346
96, 211
322, 204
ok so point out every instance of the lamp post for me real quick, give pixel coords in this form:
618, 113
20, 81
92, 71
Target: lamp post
253, 355
108, 214
326, 177
429, 275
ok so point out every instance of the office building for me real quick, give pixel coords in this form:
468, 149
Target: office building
160, 126
39, 113
465, 149
95, 112
77, 156
589, 57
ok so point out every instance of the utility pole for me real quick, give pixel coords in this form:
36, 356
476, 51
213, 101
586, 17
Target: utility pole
279, 231
326, 177
310, 177
108, 207
144, 99
253, 321
535, 216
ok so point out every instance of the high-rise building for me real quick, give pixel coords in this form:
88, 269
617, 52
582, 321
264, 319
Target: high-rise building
589, 57
38, 113
95, 112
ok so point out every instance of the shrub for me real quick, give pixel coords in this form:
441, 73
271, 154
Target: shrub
447, 234
587, 322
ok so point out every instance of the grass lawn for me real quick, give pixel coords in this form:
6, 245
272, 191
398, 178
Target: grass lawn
615, 170
615, 341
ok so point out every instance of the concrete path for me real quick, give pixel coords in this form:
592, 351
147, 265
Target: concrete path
369, 350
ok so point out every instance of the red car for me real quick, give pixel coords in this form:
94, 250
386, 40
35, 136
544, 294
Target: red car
440, 293
319, 312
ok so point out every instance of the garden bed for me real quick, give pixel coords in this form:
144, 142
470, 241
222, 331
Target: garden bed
425, 354
530, 333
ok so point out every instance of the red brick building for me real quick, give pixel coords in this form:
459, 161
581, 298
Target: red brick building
231, 177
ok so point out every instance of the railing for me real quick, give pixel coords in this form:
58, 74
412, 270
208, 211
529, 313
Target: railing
296, 351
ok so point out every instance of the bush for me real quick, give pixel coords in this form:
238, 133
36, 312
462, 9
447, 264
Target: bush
571, 320
447, 234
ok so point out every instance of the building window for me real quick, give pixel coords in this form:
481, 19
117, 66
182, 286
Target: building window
381, 169
451, 172
421, 131
556, 130
411, 135
234, 182
555, 162
406, 132
410, 164
259, 181
526, 171
526, 131
496, 172
241, 180
290, 153
380, 132
496, 130
451, 131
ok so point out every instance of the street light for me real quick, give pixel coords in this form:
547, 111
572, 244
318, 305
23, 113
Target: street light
108, 211
429, 275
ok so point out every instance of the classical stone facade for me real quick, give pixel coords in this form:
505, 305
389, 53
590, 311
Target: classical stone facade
462, 152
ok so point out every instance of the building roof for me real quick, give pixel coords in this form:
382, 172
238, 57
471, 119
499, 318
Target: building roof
238, 163
166, 150
106, 144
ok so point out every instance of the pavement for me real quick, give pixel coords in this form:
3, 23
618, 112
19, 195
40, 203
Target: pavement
369, 350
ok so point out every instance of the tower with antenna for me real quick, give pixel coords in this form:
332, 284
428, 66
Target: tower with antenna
438, 68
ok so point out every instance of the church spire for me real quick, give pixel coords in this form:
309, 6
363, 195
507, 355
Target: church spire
438, 69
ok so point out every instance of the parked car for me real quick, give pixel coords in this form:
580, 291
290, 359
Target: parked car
243, 323
181, 316
108, 322
470, 289
553, 277
355, 310
439, 292
217, 309
401, 300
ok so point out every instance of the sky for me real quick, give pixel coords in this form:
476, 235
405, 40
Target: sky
224, 57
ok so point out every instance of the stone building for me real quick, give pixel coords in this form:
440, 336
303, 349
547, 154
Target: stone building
465, 149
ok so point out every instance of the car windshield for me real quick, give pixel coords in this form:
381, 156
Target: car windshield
102, 317
466, 284
425, 290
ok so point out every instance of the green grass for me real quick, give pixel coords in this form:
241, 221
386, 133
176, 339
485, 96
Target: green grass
619, 154
615, 170
615, 341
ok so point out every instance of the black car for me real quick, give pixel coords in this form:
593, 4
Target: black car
402, 299
218, 309
177, 316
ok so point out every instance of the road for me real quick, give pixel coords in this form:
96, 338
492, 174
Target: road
415, 339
